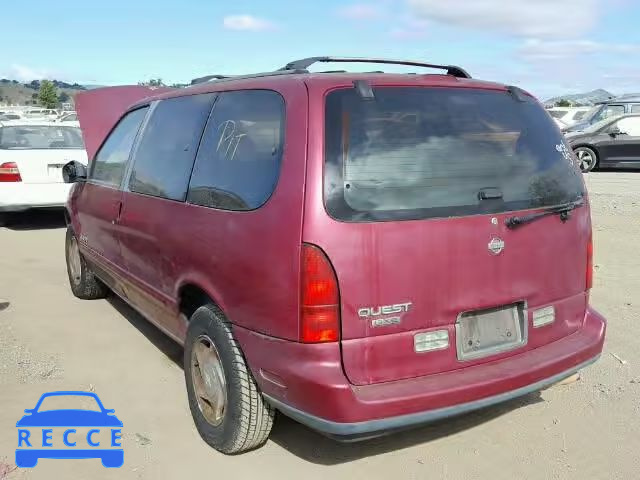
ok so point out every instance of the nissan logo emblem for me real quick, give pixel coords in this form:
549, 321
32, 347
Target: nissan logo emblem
496, 245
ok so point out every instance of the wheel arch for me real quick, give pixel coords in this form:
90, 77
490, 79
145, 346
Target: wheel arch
191, 295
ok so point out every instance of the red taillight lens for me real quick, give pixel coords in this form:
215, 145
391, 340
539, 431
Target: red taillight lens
9, 172
590, 262
320, 309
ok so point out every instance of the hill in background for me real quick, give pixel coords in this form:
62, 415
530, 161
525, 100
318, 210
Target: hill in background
13, 92
579, 99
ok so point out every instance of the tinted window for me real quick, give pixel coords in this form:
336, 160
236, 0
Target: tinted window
417, 153
635, 108
164, 157
111, 160
70, 118
608, 111
25, 137
239, 159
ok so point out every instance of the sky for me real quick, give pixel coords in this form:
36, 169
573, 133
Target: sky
548, 47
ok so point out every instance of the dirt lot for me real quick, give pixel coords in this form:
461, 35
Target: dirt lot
589, 429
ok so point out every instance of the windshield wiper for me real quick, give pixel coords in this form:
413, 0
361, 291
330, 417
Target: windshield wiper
563, 210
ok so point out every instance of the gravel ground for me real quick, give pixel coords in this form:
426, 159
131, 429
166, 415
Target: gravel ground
588, 429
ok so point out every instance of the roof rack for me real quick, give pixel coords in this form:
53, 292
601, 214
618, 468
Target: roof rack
223, 78
304, 63
207, 78
301, 66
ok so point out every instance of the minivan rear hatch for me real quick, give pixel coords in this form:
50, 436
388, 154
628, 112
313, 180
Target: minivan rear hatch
419, 186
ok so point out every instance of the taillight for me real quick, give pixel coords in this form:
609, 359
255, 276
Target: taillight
9, 172
320, 309
590, 262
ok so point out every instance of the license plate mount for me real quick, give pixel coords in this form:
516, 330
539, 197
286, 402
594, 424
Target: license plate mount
54, 170
482, 333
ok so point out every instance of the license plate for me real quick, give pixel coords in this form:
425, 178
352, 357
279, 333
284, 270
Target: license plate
54, 171
488, 332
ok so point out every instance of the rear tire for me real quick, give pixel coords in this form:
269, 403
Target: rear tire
84, 283
5, 219
587, 158
216, 374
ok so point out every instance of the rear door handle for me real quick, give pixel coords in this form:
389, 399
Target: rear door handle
117, 219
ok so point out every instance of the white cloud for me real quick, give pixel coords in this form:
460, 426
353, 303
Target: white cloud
247, 22
24, 73
360, 11
523, 18
535, 49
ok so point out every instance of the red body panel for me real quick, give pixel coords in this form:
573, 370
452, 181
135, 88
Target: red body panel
96, 208
222, 252
100, 109
443, 267
249, 264
310, 377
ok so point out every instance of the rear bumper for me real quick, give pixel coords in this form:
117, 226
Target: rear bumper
366, 429
306, 382
19, 196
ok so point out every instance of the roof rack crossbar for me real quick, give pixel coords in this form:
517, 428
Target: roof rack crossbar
305, 63
226, 78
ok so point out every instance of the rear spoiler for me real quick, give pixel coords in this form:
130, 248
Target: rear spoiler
100, 109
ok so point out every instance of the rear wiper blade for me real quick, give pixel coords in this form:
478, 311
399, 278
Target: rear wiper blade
563, 210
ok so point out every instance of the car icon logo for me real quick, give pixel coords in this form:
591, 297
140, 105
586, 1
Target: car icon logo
65, 433
496, 245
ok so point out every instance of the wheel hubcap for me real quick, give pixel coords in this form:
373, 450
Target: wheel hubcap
75, 268
585, 159
209, 383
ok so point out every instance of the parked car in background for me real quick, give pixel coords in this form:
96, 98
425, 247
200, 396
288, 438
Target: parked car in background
559, 123
611, 143
363, 251
11, 116
568, 115
31, 159
603, 110
69, 118
41, 113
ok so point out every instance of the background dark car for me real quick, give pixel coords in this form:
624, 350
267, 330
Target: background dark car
611, 143
606, 110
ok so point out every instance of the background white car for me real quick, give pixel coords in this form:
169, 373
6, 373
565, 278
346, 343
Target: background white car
31, 159
69, 118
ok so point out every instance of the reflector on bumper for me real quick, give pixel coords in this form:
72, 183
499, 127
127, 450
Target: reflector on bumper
429, 341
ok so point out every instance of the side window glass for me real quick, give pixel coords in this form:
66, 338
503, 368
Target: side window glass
614, 110
110, 162
635, 108
630, 126
238, 162
165, 154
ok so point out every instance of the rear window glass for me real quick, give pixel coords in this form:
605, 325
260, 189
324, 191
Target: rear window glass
415, 153
25, 137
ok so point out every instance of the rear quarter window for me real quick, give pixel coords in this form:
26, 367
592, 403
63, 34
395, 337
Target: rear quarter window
414, 153
238, 162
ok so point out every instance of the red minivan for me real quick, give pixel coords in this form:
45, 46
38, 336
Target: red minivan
363, 252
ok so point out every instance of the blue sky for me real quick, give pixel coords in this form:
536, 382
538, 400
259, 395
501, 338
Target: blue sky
545, 46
